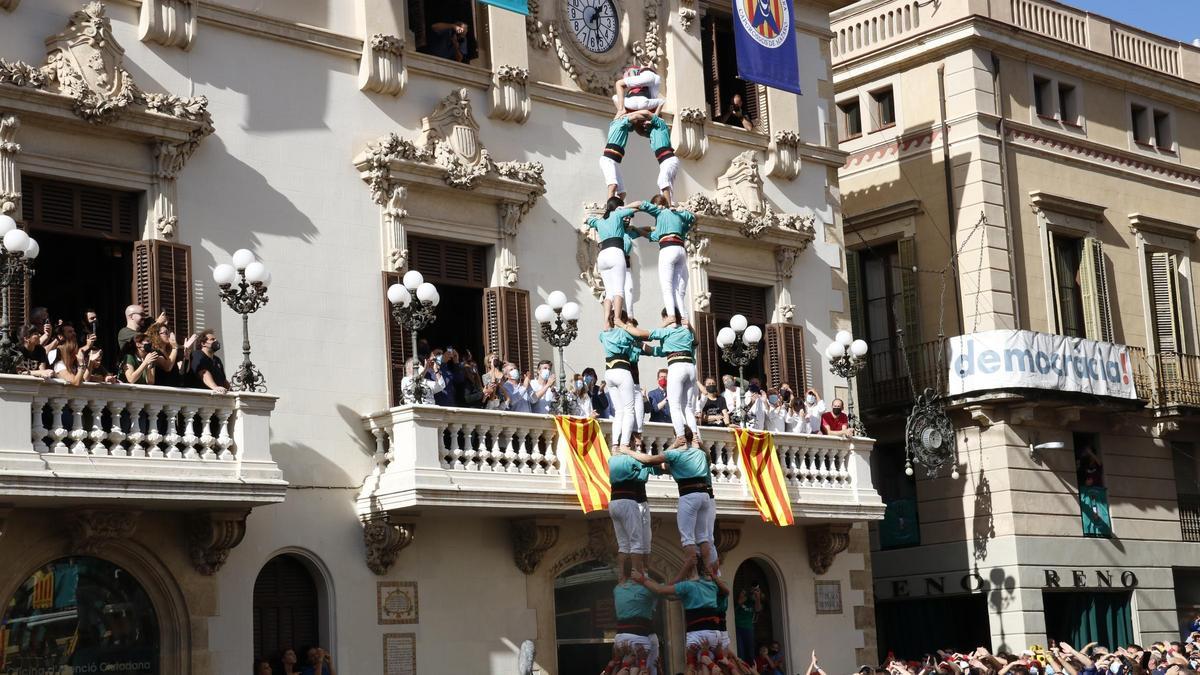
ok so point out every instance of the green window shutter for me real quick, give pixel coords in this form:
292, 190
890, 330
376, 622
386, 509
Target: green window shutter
907, 249
858, 321
1093, 287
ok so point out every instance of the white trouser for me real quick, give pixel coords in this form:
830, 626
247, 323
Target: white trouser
628, 287
666, 173
639, 408
695, 518
611, 265
647, 642
612, 173
620, 390
673, 279
681, 395
631, 523
699, 638
709, 526
633, 103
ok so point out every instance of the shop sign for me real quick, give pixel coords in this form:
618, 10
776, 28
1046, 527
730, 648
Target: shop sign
972, 582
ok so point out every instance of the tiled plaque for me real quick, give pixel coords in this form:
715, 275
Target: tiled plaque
829, 597
399, 654
396, 602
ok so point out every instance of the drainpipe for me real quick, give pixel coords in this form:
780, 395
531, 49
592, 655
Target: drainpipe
951, 211
1009, 207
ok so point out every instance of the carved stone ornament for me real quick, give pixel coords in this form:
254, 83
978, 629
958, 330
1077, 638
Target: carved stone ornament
824, 543
211, 536
783, 155
587, 247
726, 536
510, 94
531, 538
785, 261
690, 135
698, 260
384, 541
381, 68
739, 197
596, 73
91, 530
10, 180
170, 23
687, 16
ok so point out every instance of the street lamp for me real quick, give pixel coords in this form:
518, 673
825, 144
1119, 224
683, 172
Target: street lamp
252, 279
565, 317
847, 357
412, 309
17, 253
739, 346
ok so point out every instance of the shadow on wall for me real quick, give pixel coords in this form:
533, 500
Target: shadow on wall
306, 467
984, 527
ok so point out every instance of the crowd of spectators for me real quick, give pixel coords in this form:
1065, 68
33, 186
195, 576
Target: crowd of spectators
148, 352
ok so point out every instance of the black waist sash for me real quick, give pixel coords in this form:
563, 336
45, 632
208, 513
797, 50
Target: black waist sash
688, 486
664, 154
680, 357
612, 242
618, 363
630, 489
703, 618
614, 152
635, 625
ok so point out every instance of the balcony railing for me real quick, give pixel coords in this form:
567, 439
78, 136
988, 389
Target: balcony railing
430, 456
1189, 517
101, 442
1166, 379
886, 382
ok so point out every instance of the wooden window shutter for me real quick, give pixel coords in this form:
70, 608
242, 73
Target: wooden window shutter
785, 356
1093, 288
1164, 302
399, 343
704, 324
907, 249
714, 70
162, 281
858, 322
507, 325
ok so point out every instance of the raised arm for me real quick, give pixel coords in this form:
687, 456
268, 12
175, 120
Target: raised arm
660, 589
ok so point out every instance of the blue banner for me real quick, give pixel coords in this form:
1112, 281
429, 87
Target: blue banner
766, 43
518, 6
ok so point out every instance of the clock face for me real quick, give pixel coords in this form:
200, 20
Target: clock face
594, 24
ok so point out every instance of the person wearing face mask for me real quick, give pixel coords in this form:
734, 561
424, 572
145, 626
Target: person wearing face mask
836, 422
659, 404
581, 402
776, 413
813, 409
714, 411
541, 391
434, 383
207, 368
618, 374
594, 391
516, 389
494, 395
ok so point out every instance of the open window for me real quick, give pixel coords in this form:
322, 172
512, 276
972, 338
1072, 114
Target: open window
730, 298
449, 29
883, 108
1080, 286
1056, 101
849, 119
731, 100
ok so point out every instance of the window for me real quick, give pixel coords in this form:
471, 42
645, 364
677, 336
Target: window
1187, 488
1066, 254
883, 104
1140, 123
1056, 101
1080, 618
768, 621
1165, 306
849, 120
432, 23
1080, 287
730, 298
1068, 106
1164, 139
883, 296
1043, 96
286, 608
731, 100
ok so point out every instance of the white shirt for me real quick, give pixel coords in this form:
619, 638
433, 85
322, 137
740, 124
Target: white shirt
648, 79
518, 397
431, 387
778, 418
583, 403
543, 405
811, 423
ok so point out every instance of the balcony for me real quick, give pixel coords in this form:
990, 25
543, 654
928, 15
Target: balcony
1189, 517
458, 458
1167, 380
144, 446
887, 385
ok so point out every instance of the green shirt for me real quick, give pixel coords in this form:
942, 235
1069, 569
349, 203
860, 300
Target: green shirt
618, 131
673, 339
689, 463
611, 227
628, 237
667, 222
133, 361
617, 343
697, 594
743, 615
633, 600
660, 134
623, 469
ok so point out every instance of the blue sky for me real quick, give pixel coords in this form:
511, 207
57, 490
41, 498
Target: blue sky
1178, 19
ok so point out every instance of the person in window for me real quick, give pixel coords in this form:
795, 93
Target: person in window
262, 667
1089, 468
541, 391
836, 422
736, 116
714, 411
167, 366
516, 389
288, 662
208, 371
139, 361
450, 35
319, 663
745, 613
34, 360
433, 382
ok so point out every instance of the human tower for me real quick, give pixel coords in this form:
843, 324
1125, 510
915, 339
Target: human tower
698, 585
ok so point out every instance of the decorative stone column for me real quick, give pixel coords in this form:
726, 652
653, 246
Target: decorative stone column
690, 135
506, 268
698, 260
10, 177
170, 23
785, 261
510, 94
168, 161
381, 68
783, 155
510, 90
395, 239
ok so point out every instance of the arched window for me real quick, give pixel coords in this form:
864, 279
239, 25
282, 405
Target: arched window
79, 614
286, 608
761, 623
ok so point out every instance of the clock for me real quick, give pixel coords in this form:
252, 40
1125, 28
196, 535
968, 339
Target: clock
594, 24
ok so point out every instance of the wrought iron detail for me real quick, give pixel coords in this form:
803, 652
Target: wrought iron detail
246, 299
929, 435
415, 317
559, 335
739, 354
847, 366
15, 272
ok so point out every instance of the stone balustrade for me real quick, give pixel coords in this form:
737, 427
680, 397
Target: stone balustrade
430, 456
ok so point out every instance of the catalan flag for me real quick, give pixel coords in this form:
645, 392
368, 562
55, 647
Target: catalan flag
581, 439
43, 590
3, 647
760, 466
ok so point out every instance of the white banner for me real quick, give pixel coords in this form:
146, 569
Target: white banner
1021, 359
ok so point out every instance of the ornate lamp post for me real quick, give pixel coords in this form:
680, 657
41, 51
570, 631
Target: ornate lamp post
252, 279
17, 253
414, 314
847, 357
565, 317
739, 346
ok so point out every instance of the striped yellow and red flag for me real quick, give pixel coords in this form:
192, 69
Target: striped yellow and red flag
760, 466
43, 590
581, 439
3, 647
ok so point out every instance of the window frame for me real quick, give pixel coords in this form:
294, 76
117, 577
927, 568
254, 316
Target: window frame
762, 124
1067, 217
877, 106
1158, 236
1151, 144
844, 117
1054, 84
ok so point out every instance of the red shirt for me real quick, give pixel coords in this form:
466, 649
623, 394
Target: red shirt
834, 422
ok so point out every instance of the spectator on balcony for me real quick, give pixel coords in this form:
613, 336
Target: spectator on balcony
443, 365
735, 115
472, 385
754, 412
135, 321
319, 663
76, 365
660, 406
729, 391
35, 362
208, 371
541, 391
516, 389
777, 414
810, 409
434, 383
714, 411
169, 366
598, 398
836, 422
582, 401
139, 361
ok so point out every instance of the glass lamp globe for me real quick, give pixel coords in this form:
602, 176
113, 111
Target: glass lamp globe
256, 272
556, 300
16, 241
413, 280
242, 258
224, 274
397, 294
752, 335
266, 282
543, 314
834, 350
7, 224
726, 336
738, 323
427, 293
570, 311
437, 297
33, 249
843, 338
858, 348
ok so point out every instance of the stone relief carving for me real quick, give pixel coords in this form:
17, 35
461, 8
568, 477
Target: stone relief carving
384, 541
381, 68
211, 536
587, 247
91, 530
739, 197
690, 134
590, 73
395, 245
170, 23
451, 134
10, 181
726, 536
783, 155
510, 94
698, 260
506, 257
785, 262
824, 543
687, 14
531, 539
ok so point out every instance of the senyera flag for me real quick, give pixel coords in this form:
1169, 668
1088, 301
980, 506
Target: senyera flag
766, 43
518, 6
760, 466
580, 438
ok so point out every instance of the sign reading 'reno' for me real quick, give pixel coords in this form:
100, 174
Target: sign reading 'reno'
1021, 359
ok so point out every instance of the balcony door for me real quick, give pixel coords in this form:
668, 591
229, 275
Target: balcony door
730, 298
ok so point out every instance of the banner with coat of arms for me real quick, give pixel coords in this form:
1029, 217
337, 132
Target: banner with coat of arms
766, 43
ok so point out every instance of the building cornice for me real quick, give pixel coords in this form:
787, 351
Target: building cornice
1139, 222
1044, 201
883, 215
